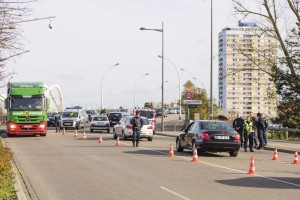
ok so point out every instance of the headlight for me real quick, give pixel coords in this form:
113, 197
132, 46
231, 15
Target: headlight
13, 126
42, 126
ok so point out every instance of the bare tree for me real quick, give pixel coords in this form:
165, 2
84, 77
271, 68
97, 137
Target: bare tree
285, 71
11, 12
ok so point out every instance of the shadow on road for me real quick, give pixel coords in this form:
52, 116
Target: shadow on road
260, 182
149, 152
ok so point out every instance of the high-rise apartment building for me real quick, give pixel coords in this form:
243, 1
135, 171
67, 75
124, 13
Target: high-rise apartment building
246, 55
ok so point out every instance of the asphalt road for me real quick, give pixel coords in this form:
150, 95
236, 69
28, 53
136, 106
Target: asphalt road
61, 167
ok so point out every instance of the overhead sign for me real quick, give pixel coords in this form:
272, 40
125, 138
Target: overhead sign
195, 102
188, 85
188, 95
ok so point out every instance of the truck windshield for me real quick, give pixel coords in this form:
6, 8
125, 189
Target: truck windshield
20, 103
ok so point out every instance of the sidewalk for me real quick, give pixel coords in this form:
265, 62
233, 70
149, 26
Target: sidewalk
281, 145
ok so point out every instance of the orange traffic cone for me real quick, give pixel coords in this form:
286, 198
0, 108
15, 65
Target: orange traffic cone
171, 153
117, 142
75, 134
64, 131
195, 156
100, 139
252, 167
275, 156
296, 161
84, 136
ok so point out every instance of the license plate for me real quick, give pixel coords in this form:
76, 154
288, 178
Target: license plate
68, 123
222, 137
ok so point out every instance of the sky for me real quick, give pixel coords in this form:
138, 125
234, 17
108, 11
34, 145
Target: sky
88, 37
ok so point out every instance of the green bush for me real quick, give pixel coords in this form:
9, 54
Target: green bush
7, 190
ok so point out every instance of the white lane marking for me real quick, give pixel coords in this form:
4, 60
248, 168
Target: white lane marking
95, 157
176, 194
228, 168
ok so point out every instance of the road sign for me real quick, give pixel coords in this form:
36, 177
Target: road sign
188, 95
188, 85
195, 102
192, 105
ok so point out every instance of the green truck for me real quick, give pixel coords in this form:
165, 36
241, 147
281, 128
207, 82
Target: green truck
26, 106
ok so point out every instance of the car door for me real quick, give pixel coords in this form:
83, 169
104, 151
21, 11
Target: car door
185, 139
191, 133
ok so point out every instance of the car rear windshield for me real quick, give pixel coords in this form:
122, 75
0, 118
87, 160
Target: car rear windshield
100, 119
147, 114
216, 126
115, 115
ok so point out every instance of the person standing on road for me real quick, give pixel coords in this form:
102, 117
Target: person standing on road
57, 122
137, 124
238, 125
248, 134
260, 130
254, 120
265, 135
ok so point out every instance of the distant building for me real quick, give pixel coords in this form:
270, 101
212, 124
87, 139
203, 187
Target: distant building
241, 89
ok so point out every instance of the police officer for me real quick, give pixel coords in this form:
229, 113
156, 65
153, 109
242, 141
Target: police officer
253, 119
137, 124
260, 130
238, 125
57, 122
265, 123
248, 134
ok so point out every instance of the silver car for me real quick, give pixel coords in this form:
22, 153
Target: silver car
100, 123
124, 129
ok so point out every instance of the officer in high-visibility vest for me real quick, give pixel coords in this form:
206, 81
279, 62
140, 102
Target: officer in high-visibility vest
248, 134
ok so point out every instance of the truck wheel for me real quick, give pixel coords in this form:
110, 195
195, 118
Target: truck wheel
43, 135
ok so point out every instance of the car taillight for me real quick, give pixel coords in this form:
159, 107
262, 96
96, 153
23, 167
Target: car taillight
92, 124
128, 126
237, 138
150, 127
205, 136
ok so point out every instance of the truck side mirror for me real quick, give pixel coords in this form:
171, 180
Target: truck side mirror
48, 103
5, 103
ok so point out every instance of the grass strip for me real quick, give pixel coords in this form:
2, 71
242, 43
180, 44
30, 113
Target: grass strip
7, 190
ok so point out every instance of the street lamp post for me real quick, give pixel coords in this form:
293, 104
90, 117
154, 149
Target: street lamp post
134, 105
178, 83
211, 61
102, 82
162, 68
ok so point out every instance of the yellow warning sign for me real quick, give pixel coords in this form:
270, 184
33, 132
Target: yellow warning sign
188, 85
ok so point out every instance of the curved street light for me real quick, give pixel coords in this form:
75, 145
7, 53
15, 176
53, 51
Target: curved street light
134, 104
102, 82
162, 66
178, 83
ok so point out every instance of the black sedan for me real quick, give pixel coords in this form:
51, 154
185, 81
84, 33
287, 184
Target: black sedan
211, 136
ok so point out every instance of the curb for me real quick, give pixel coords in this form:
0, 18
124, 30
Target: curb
266, 148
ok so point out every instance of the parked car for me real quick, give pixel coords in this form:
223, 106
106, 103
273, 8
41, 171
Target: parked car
99, 123
114, 118
124, 112
159, 112
124, 129
209, 135
91, 114
50, 119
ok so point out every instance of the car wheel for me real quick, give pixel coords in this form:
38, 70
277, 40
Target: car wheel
91, 130
108, 130
233, 153
178, 146
150, 138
